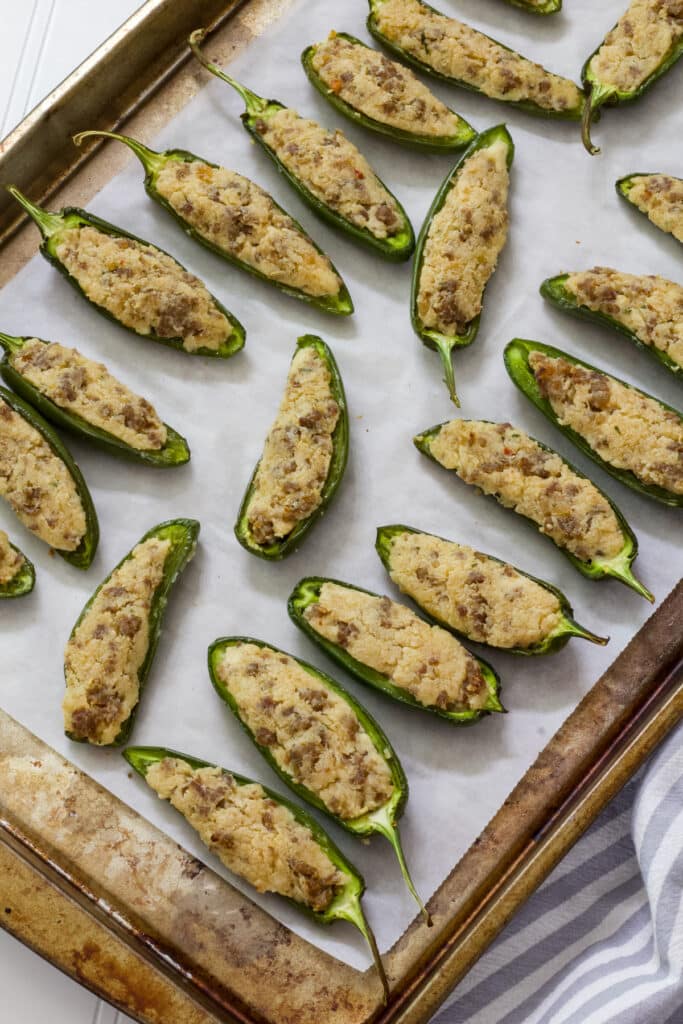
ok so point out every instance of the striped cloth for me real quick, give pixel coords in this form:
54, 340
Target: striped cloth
601, 941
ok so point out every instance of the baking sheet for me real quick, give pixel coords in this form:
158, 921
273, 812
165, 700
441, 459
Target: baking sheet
565, 215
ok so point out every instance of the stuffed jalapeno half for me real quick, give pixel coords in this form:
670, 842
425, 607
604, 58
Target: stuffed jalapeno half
630, 434
304, 456
260, 836
458, 247
477, 596
648, 310
325, 169
382, 95
538, 6
321, 742
111, 648
17, 575
134, 283
43, 485
646, 41
239, 221
659, 197
524, 475
389, 647
81, 395
448, 49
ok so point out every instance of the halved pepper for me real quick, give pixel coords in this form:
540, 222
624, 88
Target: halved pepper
83, 554
174, 451
432, 337
321, 690
53, 227
17, 578
347, 889
306, 594
538, 6
396, 246
517, 356
105, 665
562, 629
155, 164
334, 93
658, 196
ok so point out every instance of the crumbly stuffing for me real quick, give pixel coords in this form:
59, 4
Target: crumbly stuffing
313, 735
661, 197
458, 51
109, 645
424, 660
333, 170
143, 288
381, 88
233, 213
464, 241
254, 836
627, 429
86, 388
638, 43
505, 462
298, 450
650, 306
37, 485
486, 600
11, 560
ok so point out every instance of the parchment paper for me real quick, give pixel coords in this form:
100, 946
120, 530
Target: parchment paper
565, 215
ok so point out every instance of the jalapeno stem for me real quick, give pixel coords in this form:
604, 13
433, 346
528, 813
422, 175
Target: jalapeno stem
445, 349
255, 104
150, 160
48, 223
10, 343
569, 626
352, 911
383, 824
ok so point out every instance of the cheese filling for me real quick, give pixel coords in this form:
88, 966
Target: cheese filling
333, 170
143, 288
627, 429
639, 42
81, 386
661, 197
458, 51
233, 213
11, 561
424, 660
109, 645
464, 241
486, 600
313, 735
254, 836
508, 464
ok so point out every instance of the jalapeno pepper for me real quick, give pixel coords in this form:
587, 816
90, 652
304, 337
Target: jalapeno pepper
259, 111
155, 163
461, 137
306, 594
538, 6
93, 704
83, 555
346, 902
661, 199
431, 336
553, 640
23, 579
52, 227
174, 451
517, 354
383, 819
282, 546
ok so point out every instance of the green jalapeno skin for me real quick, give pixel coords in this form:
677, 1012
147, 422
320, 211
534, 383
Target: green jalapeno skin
554, 642
51, 225
22, 582
307, 592
553, 289
516, 356
385, 819
85, 552
397, 248
625, 184
153, 163
549, 7
183, 534
175, 451
340, 452
431, 337
618, 567
571, 114
346, 905
416, 140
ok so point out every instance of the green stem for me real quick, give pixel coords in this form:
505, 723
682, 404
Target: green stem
255, 104
10, 343
48, 223
388, 828
445, 350
149, 158
625, 574
575, 629
353, 912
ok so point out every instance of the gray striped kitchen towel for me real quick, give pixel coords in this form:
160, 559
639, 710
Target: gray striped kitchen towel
601, 941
